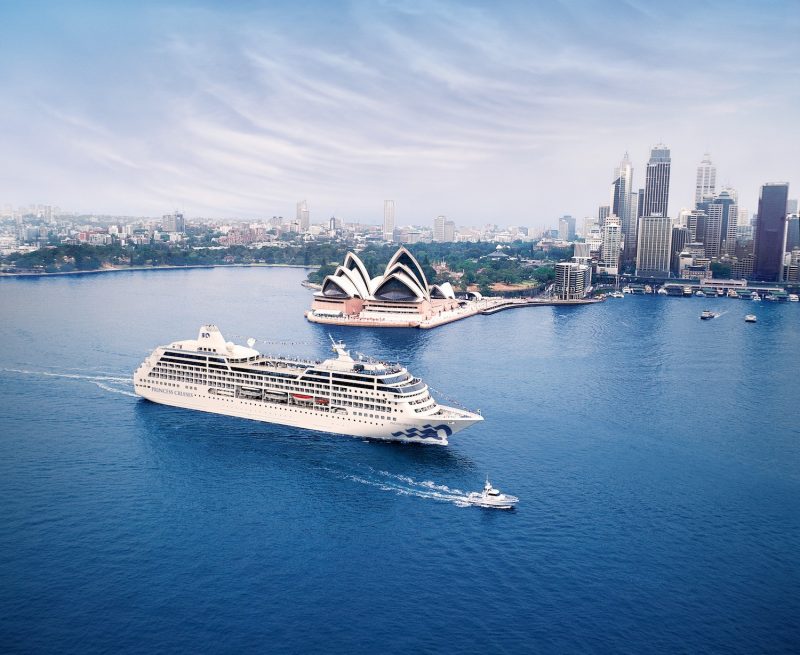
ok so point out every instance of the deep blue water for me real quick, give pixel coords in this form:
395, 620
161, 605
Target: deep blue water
657, 458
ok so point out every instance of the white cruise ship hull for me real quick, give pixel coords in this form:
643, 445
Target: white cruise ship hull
360, 398
423, 429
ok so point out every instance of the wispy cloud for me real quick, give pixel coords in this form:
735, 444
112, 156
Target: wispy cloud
514, 113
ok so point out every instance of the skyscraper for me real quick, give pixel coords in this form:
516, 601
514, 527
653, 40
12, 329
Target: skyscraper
449, 231
174, 223
609, 253
621, 201
656, 188
723, 208
388, 220
680, 237
792, 232
303, 216
602, 212
438, 228
654, 246
706, 185
621, 189
770, 235
566, 228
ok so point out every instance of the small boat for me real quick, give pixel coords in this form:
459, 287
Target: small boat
662, 291
492, 498
707, 314
732, 293
617, 294
755, 296
700, 294
627, 289
750, 318
793, 297
687, 291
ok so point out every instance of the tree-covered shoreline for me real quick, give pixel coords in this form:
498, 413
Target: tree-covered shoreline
513, 267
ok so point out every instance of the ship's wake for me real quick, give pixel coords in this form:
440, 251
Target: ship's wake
403, 485
108, 383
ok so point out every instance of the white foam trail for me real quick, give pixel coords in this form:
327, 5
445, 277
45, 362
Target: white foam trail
428, 484
101, 381
105, 387
402, 485
400, 490
71, 376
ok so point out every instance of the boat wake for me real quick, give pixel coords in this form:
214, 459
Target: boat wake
402, 485
108, 383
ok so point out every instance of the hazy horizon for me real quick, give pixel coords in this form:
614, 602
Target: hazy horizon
512, 114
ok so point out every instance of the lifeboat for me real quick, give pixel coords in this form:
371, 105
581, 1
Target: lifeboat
302, 398
321, 401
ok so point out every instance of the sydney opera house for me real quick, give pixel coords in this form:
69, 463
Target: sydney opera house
400, 296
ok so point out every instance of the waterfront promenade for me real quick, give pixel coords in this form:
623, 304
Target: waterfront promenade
485, 306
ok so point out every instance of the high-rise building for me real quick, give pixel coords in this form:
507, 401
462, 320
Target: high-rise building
566, 228
174, 223
656, 188
621, 189
602, 213
654, 246
610, 251
791, 206
706, 185
770, 234
629, 233
722, 209
303, 216
388, 220
621, 197
438, 228
711, 236
792, 232
680, 237
572, 280
449, 231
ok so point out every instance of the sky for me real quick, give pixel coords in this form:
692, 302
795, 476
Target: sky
502, 112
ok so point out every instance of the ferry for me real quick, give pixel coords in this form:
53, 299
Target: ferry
707, 314
343, 395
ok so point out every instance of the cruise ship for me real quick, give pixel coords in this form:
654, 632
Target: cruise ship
356, 397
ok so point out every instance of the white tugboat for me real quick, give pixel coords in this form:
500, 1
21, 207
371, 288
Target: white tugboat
491, 498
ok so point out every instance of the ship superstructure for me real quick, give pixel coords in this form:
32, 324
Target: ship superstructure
358, 397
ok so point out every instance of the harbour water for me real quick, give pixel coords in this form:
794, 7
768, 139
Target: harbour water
656, 456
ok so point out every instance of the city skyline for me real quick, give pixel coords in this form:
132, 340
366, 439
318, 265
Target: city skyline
509, 115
